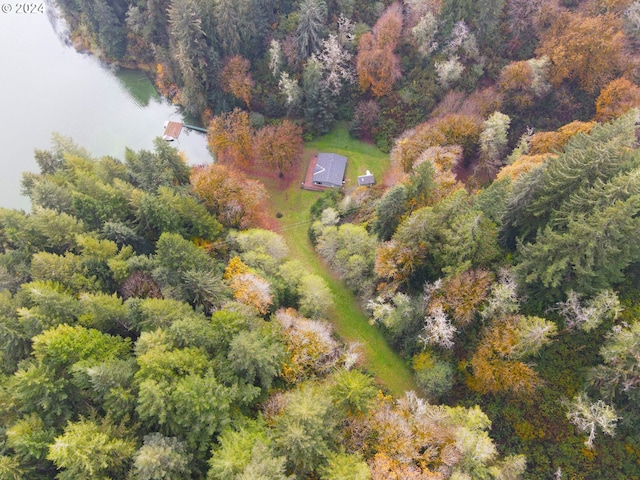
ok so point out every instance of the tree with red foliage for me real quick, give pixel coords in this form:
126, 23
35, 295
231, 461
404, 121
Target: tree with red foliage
279, 146
377, 66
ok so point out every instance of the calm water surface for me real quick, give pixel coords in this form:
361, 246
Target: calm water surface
46, 86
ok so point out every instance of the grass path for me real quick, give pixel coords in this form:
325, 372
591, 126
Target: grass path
347, 316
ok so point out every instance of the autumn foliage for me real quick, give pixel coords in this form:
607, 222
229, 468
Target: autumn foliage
554, 142
494, 368
278, 147
228, 194
451, 129
376, 64
463, 293
230, 137
524, 164
236, 79
616, 99
588, 50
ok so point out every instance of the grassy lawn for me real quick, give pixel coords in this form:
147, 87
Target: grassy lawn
348, 319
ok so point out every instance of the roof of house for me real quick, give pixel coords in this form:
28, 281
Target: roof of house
367, 179
172, 130
330, 169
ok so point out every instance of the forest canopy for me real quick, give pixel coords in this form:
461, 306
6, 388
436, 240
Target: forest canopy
158, 322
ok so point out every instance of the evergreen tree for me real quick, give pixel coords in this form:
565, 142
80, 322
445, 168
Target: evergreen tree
575, 177
310, 29
191, 52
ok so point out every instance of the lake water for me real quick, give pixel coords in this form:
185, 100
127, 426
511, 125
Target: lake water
46, 86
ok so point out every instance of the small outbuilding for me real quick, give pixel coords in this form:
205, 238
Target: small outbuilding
329, 170
366, 180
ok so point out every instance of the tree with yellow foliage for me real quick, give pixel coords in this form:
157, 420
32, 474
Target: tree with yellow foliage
230, 137
585, 49
616, 99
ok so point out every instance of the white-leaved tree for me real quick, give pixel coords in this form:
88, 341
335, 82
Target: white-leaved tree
424, 33
632, 17
346, 36
493, 142
621, 369
290, 89
438, 329
449, 71
590, 314
590, 416
504, 298
335, 62
275, 57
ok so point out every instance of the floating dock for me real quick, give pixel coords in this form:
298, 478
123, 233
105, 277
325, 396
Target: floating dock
172, 131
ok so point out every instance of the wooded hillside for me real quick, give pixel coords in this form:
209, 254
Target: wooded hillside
153, 329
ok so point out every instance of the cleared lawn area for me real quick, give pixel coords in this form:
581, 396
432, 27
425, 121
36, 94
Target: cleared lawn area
347, 317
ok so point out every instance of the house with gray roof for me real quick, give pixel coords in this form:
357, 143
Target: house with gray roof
329, 170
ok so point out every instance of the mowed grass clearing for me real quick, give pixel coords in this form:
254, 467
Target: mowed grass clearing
347, 317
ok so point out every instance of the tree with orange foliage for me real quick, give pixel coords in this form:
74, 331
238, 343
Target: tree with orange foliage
395, 262
279, 146
616, 99
228, 194
451, 129
494, 371
376, 64
463, 293
231, 138
235, 267
247, 287
236, 79
524, 164
553, 142
522, 82
411, 439
443, 160
378, 68
388, 28
586, 49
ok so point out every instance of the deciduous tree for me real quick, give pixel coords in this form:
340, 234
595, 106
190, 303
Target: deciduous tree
588, 50
495, 371
620, 372
279, 147
616, 99
588, 416
378, 68
228, 194
236, 79
230, 137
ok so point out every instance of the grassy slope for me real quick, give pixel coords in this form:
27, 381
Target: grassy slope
347, 317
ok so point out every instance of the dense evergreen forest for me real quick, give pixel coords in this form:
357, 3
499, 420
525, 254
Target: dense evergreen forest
155, 326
